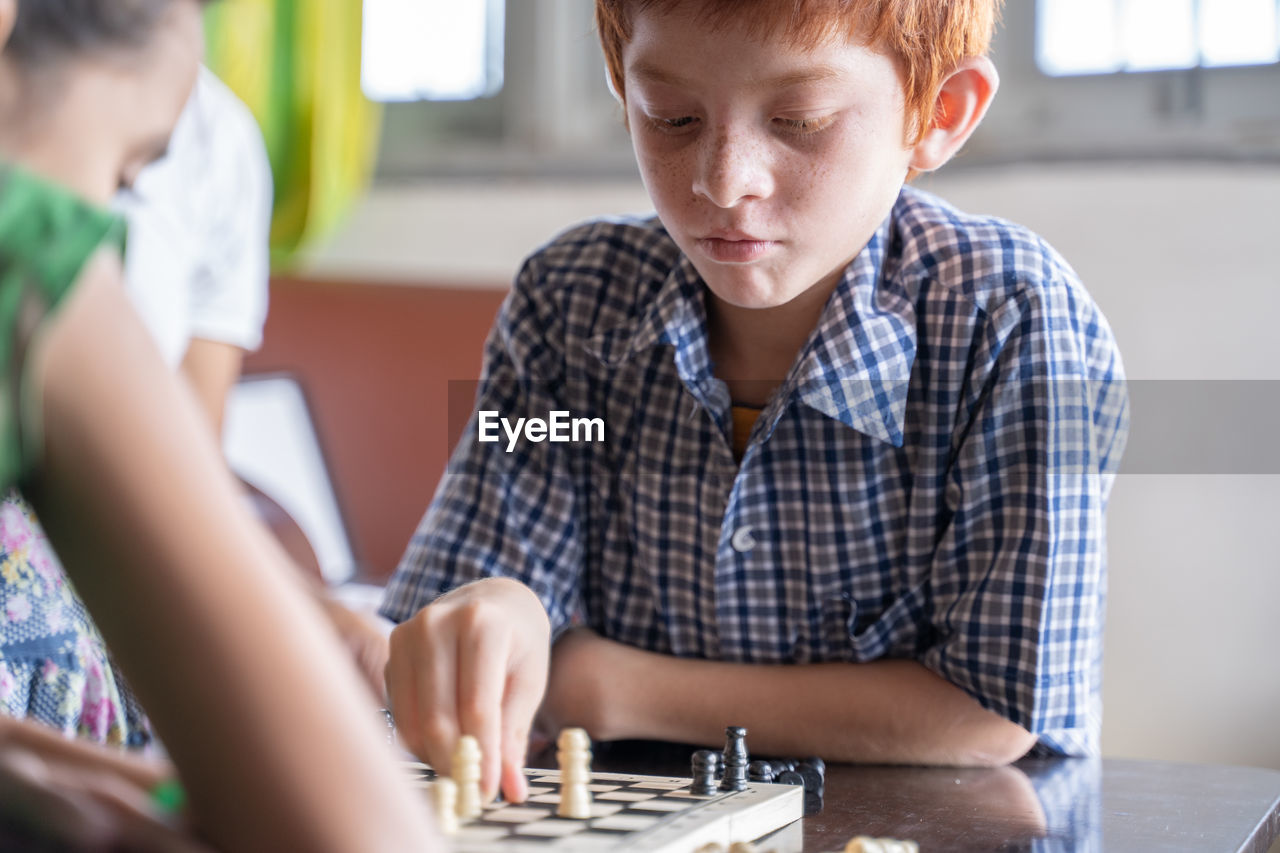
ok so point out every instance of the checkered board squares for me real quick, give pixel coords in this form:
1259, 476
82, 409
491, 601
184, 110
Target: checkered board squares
654, 814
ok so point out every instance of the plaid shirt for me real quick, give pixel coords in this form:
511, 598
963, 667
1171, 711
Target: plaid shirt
929, 481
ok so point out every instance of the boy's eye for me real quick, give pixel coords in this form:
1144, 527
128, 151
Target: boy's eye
670, 125
803, 126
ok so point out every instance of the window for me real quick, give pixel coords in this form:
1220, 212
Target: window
1104, 36
1059, 97
436, 50
553, 114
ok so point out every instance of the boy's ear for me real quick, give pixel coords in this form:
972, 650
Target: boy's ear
962, 102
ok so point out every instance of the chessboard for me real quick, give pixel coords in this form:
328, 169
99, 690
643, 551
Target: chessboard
655, 814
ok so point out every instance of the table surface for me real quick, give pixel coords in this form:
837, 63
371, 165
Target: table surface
1049, 804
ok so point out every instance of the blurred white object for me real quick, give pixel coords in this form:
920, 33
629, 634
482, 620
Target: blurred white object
270, 440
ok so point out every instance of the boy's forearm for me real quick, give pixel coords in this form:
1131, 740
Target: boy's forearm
888, 711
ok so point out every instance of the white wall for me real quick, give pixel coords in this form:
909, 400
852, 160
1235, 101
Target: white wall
1182, 259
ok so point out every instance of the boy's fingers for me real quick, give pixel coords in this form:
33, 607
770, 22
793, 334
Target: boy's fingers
482, 658
437, 720
521, 698
420, 685
514, 749
526, 685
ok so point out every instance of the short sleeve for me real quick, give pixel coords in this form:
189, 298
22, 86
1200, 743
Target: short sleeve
1018, 583
229, 289
47, 235
199, 222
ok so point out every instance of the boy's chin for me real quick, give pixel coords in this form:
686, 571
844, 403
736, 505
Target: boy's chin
756, 293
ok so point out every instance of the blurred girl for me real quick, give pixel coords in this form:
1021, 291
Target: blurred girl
250, 692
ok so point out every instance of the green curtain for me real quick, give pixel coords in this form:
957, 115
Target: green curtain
296, 63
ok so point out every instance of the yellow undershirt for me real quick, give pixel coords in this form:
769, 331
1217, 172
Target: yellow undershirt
744, 419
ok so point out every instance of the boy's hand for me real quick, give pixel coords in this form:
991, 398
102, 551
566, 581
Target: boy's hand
473, 662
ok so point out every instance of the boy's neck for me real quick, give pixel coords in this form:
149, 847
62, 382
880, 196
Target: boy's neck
753, 349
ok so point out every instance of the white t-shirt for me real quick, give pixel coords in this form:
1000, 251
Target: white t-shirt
196, 261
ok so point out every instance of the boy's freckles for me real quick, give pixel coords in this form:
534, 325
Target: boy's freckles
771, 165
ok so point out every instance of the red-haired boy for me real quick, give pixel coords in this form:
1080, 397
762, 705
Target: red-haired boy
858, 444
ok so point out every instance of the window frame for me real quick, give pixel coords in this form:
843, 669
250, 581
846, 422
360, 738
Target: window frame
556, 119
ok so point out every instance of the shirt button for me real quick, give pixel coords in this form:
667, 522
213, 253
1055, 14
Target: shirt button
742, 540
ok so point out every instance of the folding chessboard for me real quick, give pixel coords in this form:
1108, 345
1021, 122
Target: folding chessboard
656, 814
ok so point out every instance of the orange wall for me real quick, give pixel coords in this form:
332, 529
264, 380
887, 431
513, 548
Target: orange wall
375, 361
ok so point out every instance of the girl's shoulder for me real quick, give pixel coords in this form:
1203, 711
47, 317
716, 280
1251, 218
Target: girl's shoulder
47, 237
48, 233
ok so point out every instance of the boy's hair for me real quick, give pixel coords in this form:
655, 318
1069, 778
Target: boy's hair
46, 31
928, 38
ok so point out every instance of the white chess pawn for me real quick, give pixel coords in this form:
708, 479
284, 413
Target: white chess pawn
466, 773
444, 795
574, 757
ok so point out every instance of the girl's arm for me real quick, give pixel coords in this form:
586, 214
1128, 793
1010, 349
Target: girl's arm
249, 690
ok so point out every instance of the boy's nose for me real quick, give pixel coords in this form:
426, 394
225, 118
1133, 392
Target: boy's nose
732, 168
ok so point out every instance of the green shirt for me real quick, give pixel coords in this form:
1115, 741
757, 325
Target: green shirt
47, 235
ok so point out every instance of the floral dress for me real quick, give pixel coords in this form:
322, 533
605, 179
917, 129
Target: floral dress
54, 666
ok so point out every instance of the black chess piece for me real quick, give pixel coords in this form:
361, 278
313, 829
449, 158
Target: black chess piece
778, 767
789, 777
706, 762
735, 759
814, 786
760, 771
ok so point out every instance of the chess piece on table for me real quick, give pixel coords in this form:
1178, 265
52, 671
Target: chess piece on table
735, 759
444, 796
466, 774
760, 771
706, 764
574, 756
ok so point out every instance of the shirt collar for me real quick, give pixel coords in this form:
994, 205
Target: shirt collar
854, 368
857, 364
675, 316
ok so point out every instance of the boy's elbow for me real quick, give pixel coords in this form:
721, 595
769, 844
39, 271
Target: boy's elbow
1000, 743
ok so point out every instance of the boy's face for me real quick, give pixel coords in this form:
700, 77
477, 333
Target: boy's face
770, 165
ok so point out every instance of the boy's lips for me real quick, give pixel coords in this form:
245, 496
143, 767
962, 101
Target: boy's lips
734, 247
